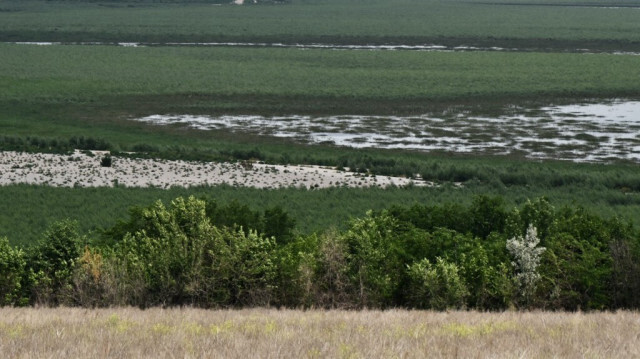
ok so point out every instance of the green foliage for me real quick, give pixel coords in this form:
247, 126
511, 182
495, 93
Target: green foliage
625, 272
175, 255
55, 145
476, 23
273, 222
580, 273
373, 258
577, 265
487, 215
277, 223
12, 265
60, 98
106, 161
296, 272
332, 287
488, 279
539, 214
52, 263
436, 286
68, 74
233, 215
182, 258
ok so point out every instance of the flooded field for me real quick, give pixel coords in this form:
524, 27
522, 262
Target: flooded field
428, 47
584, 132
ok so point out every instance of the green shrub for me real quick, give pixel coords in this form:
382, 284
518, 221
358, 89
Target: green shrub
375, 268
436, 286
52, 263
12, 266
106, 161
182, 258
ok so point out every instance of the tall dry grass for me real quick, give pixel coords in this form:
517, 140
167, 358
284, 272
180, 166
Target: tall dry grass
266, 333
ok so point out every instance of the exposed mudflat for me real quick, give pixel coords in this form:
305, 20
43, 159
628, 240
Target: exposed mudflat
583, 133
84, 170
392, 47
426, 47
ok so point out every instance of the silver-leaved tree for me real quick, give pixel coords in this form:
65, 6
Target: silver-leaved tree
526, 254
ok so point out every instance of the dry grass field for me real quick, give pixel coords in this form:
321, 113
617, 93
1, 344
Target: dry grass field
261, 333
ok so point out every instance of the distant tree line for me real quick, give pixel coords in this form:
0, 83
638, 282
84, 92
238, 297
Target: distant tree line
197, 252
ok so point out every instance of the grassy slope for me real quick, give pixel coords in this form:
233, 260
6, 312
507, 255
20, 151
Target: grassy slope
495, 23
186, 332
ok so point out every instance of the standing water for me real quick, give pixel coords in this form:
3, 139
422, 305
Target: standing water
584, 132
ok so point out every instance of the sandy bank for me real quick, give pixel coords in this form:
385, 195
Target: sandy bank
84, 170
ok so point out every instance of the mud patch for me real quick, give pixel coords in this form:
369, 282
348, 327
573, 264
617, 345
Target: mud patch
582, 133
425, 47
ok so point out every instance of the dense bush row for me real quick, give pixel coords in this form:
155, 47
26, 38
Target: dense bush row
193, 252
55, 145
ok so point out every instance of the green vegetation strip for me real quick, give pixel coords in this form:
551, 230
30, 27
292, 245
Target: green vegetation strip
528, 24
606, 190
484, 256
50, 74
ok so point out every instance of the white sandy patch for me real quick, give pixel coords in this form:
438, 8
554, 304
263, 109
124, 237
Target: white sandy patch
83, 170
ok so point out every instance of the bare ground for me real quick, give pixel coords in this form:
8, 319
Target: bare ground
85, 170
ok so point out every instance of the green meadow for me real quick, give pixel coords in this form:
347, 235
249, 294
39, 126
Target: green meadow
52, 95
529, 24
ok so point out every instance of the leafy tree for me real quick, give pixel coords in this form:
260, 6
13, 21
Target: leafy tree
252, 271
540, 214
578, 267
234, 215
487, 215
95, 281
624, 248
324, 272
277, 223
526, 254
436, 286
52, 263
12, 267
375, 267
578, 274
489, 286
294, 266
184, 259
